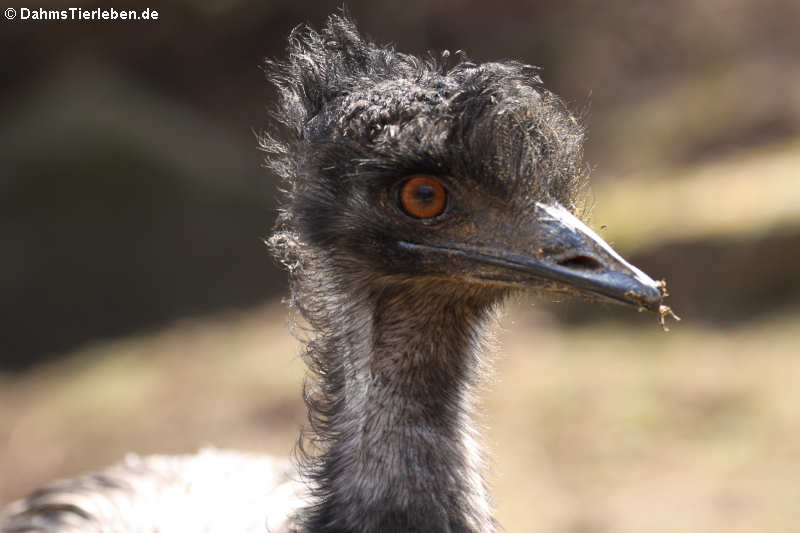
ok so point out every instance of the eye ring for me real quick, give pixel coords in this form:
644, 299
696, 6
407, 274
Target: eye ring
422, 197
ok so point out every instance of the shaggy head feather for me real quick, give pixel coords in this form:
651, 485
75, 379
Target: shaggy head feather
358, 116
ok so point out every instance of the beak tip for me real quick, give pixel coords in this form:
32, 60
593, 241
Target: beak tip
637, 290
649, 297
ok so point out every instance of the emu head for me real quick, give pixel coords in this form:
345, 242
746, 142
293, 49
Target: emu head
405, 168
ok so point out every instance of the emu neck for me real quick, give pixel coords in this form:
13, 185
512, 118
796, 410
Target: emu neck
400, 453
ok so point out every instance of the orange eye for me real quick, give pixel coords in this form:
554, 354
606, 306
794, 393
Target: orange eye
423, 197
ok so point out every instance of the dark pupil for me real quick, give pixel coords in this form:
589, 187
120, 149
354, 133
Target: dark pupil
424, 194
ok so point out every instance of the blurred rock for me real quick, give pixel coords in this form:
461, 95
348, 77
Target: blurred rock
121, 210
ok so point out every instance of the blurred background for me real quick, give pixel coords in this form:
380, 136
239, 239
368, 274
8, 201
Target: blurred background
141, 310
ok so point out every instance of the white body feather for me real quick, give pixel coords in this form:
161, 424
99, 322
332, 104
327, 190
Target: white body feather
212, 491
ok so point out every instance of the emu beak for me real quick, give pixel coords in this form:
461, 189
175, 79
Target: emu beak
555, 248
571, 253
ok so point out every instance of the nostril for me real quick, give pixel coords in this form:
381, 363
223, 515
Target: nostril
581, 262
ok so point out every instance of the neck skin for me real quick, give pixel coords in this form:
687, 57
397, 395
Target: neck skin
391, 417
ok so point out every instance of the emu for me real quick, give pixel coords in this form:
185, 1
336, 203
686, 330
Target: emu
420, 193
